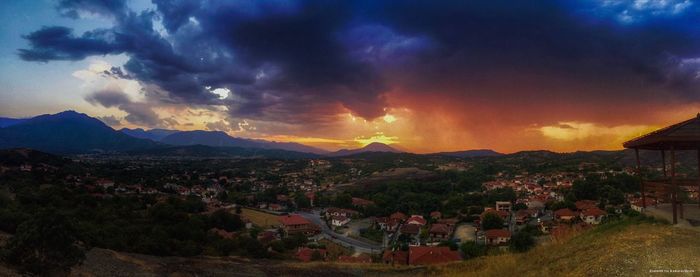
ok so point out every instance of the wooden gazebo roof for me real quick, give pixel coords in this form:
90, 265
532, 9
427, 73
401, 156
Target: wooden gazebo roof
682, 136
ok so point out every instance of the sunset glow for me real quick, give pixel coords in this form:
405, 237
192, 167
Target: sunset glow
393, 75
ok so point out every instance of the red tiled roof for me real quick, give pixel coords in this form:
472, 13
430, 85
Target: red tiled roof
594, 212
497, 233
293, 220
438, 228
417, 220
398, 215
585, 204
425, 255
410, 229
399, 257
435, 214
448, 221
564, 212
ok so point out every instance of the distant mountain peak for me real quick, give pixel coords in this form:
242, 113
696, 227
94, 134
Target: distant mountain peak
372, 147
380, 147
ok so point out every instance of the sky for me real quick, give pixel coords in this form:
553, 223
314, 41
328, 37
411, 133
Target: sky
424, 76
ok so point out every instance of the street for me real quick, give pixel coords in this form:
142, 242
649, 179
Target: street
359, 246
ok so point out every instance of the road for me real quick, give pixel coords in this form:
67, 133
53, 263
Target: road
358, 245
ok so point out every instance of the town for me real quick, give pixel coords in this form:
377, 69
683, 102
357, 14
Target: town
394, 209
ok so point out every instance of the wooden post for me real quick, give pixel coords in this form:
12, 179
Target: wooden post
674, 188
698, 178
641, 182
663, 161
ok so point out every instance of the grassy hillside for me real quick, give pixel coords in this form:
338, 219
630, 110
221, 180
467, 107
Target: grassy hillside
625, 248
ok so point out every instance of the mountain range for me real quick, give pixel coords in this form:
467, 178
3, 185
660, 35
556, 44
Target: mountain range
221, 139
153, 134
70, 132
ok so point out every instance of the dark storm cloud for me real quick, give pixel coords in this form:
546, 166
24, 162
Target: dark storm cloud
59, 43
301, 61
137, 113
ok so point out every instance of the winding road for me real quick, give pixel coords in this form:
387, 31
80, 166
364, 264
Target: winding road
358, 245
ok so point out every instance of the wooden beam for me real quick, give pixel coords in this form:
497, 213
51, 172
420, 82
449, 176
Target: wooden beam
663, 161
674, 192
641, 182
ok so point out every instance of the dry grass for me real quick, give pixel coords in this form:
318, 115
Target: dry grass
334, 249
260, 219
617, 249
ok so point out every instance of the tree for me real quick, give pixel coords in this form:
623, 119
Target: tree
519, 206
471, 249
302, 201
491, 221
224, 220
522, 241
316, 256
45, 244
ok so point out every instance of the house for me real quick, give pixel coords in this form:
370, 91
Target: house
637, 205
306, 254
388, 224
497, 236
338, 221
436, 215
398, 215
428, 255
450, 222
330, 212
416, 220
360, 259
593, 215
536, 205
565, 214
504, 206
412, 231
585, 204
439, 232
522, 216
395, 257
295, 224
